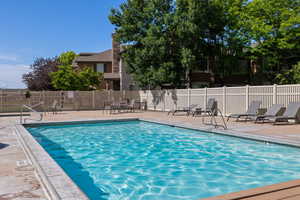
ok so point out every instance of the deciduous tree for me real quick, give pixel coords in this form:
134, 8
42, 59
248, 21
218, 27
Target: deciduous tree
167, 39
39, 79
67, 78
274, 29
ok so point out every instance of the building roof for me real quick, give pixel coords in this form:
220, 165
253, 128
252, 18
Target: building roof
105, 56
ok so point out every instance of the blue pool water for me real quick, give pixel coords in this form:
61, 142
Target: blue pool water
146, 161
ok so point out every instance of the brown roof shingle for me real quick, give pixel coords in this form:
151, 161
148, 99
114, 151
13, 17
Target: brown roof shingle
105, 56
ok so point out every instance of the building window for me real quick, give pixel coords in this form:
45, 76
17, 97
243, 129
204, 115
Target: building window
100, 67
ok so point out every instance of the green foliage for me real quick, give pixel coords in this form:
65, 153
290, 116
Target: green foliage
67, 58
166, 39
27, 94
273, 29
66, 78
291, 76
58, 74
89, 80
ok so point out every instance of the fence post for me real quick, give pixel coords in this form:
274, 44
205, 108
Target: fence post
43, 100
274, 94
124, 94
1, 100
93, 99
224, 100
189, 97
29, 99
109, 95
147, 96
205, 97
164, 99
247, 97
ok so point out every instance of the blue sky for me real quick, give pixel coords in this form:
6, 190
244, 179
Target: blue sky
45, 28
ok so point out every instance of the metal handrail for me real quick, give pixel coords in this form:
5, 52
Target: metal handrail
213, 120
31, 109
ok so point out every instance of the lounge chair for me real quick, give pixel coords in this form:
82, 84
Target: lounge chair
186, 110
274, 111
209, 109
250, 113
292, 112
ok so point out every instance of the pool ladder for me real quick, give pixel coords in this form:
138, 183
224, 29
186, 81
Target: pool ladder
32, 110
213, 120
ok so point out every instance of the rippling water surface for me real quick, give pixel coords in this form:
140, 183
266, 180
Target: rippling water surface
146, 161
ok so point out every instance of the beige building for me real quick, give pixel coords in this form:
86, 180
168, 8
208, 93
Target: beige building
108, 62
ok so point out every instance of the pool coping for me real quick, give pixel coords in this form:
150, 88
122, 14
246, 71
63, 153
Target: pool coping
227, 132
55, 181
58, 185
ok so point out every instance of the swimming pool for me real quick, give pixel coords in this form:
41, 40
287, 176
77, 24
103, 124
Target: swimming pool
143, 160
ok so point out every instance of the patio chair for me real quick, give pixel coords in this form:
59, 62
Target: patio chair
123, 106
250, 113
186, 110
54, 108
114, 108
273, 111
292, 112
107, 106
134, 105
210, 108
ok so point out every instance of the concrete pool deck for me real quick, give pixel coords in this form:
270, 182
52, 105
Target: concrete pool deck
23, 184
17, 175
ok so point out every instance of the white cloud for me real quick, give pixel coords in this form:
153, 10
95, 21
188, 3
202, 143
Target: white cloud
9, 58
11, 75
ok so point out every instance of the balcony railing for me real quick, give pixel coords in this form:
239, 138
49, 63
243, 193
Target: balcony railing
111, 76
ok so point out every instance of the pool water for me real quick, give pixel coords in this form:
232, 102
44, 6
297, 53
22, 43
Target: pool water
139, 160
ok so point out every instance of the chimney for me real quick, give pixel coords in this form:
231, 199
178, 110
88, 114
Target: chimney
116, 50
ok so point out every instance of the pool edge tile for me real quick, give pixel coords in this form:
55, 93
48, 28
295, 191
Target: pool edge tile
48, 176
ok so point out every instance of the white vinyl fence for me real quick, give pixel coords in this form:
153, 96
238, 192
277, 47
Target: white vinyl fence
230, 99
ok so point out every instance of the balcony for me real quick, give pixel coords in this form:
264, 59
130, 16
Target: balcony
111, 76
